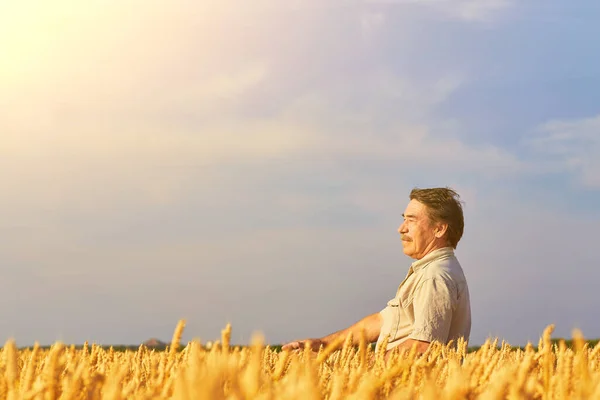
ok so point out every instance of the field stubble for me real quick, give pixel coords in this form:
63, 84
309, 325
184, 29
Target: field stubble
550, 371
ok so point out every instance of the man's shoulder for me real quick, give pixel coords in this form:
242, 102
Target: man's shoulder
446, 267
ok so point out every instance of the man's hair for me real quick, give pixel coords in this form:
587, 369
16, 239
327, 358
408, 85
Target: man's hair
443, 205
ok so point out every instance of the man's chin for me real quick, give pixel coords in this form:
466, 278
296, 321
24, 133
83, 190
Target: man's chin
406, 251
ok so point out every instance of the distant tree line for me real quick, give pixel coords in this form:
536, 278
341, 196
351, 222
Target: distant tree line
164, 346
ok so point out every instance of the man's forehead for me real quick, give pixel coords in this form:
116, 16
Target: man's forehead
414, 208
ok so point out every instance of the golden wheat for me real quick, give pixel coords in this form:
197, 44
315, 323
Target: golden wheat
550, 371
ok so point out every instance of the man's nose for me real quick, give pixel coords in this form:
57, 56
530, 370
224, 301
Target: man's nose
401, 228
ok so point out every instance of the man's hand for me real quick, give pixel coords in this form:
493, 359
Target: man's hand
370, 326
301, 344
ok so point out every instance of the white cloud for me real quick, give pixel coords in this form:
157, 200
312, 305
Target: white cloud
111, 108
124, 163
105, 116
419, 95
468, 10
478, 10
572, 145
416, 149
370, 22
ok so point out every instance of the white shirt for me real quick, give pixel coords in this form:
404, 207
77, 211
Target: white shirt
432, 303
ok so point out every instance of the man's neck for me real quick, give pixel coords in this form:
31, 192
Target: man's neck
436, 245
432, 255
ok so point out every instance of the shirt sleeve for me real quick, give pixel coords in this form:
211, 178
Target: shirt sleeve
389, 317
433, 306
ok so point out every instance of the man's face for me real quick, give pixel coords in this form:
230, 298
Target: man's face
417, 232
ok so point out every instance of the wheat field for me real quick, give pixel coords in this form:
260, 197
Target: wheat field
550, 371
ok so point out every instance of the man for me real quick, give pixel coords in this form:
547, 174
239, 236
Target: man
432, 303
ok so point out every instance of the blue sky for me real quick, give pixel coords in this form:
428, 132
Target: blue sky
250, 165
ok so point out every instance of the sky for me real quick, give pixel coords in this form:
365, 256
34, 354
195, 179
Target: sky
249, 163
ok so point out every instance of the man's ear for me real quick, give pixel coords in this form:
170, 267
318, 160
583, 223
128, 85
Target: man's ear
440, 230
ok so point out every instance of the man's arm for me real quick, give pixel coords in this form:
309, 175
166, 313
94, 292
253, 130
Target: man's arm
371, 325
422, 347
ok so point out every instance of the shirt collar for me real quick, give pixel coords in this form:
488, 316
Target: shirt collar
434, 255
